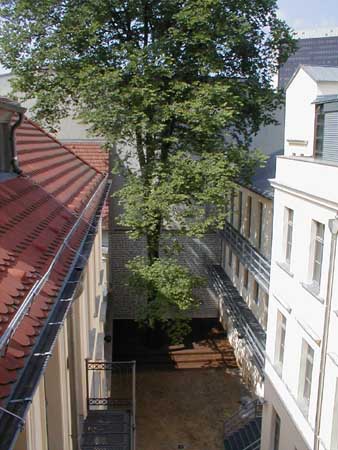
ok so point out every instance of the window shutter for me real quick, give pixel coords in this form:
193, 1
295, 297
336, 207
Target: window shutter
330, 142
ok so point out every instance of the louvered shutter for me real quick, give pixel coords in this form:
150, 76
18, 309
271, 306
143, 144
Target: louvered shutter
330, 142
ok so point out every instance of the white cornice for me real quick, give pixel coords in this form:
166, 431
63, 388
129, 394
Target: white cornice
305, 196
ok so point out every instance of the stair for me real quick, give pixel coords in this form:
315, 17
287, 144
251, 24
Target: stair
106, 430
243, 429
245, 437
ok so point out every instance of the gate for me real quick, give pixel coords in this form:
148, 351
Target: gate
111, 402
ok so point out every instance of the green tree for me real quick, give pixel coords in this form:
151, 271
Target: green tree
185, 82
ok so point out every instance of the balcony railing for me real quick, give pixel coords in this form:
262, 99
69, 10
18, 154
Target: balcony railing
258, 265
241, 316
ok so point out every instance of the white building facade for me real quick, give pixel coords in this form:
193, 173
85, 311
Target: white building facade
301, 369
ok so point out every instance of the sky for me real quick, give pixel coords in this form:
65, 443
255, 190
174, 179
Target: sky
304, 14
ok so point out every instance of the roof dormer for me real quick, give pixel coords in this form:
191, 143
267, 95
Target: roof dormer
11, 115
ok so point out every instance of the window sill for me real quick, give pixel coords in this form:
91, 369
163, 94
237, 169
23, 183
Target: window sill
314, 291
285, 267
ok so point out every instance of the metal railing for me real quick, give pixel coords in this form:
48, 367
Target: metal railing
111, 386
253, 333
250, 257
250, 411
254, 445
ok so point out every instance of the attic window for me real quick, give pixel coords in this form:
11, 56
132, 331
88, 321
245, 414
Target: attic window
326, 132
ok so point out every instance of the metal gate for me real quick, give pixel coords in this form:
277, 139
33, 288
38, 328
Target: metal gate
111, 403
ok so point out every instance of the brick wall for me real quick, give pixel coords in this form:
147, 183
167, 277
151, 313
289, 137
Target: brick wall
195, 253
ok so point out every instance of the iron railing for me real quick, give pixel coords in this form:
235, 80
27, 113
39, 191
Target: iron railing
241, 316
250, 257
111, 387
250, 411
254, 445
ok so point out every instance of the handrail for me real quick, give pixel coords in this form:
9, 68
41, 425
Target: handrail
250, 411
259, 265
38, 285
254, 445
240, 323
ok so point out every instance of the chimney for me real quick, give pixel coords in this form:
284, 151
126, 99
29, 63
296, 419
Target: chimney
11, 115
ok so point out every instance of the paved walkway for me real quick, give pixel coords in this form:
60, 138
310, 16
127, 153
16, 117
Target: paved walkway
185, 407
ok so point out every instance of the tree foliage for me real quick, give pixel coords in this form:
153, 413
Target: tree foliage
185, 82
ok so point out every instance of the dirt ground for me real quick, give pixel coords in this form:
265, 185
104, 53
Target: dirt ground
185, 407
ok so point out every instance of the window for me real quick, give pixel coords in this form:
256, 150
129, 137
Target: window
260, 225
326, 131
280, 342
256, 292
248, 216
265, 310
240, 206
305, 377
334, 432
223, 254
232, 207
230, 257
246, 278
318, 246
288, 235
237, 267
276, 431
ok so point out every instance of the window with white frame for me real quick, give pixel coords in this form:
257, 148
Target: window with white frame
280, 342
265, 310
326, 131
318, 230
223, 254
240, 206
305, 377
276, 431
256, 292
230, 257
334, 432
232, 207
260, 225
246, 278
237, 267
248, 216
288, 235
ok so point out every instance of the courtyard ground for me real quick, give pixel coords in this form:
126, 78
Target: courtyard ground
185, 407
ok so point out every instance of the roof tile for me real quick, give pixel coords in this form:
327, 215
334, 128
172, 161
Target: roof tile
37, 211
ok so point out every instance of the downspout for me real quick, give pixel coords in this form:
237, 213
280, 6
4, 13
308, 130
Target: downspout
14, 160
333, 226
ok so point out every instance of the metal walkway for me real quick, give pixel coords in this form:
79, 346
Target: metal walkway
110, 423
107, 430
241, 315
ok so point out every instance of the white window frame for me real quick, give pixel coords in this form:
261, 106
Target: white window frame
334, 429
248, 214
288, 235
256, 289
240, 207
305, 377
237, 266
316, 256
275, 438
280, 342
260, 225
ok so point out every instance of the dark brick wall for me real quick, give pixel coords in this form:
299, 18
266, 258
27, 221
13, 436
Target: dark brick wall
195, 254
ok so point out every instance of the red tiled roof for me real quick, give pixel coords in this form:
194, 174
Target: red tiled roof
37, 212
92, 153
